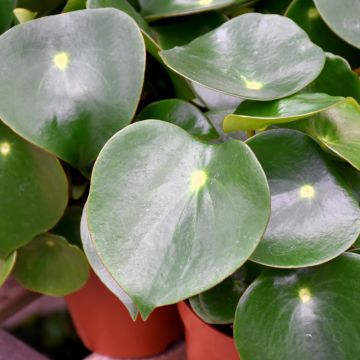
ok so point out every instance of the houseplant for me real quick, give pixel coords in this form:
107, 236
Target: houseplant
231, 188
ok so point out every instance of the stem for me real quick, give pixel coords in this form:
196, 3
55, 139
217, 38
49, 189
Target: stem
250, 133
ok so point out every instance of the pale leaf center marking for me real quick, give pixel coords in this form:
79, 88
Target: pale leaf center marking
198, 180
307, 192
61, 60
205, 2
5, 148
313, 13
305, 295
252, 84
50, 243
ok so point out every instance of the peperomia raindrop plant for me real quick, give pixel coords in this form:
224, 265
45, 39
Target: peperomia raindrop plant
205, 151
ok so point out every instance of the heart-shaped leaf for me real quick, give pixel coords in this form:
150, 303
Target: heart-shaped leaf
305, 14
256, 115
6, 266
255, 56
338, 129
33, 191
156, 9
183, 114
343, 20
166, 209
150, 36
6, 14
302, 314
336, 79
218, 305
51, 266
71, 95
101, 271
307, 226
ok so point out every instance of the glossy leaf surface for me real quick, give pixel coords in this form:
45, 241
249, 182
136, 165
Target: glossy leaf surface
255, 115
307, 226
255, 56
191, 216
336, 79
180, 113
100, 269
338, 129
218, 305
33, 191
155, 9
342, 18
311, 313
6, 265
51, 266
70, 97
305, 14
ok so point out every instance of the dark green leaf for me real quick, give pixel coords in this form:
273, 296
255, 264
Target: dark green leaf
336, 79
343, 20
314, 216
171, 216
183, 114
255, 56
311, 313
305, 14
33, 191
6, 14
71, 95
6, 266
218, 305
51, 266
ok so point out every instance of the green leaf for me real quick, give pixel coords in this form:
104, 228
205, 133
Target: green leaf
69, 226
273, 6
150, 36
336, 79
157, 9
101, 271
41, 7
343, 20
305, 14
314, 216
256, 115
182, 30
302, 314
255, 56
73, 5
218, 305
6, 266
33, 191
351, 177
24, 15
183, 114
165, 209
338, 129
51, 266
71, 96
6, 14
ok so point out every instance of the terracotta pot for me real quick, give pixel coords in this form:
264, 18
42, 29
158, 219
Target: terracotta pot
105, 326
203, 341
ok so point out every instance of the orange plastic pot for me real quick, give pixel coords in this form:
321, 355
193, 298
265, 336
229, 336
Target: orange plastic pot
203, 341
105, 326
